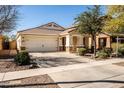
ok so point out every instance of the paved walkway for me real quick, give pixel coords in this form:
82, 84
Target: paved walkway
42, 71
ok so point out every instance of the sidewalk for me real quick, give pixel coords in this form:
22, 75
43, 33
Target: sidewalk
42, 71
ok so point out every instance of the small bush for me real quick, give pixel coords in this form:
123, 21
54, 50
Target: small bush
121, 52
82, 51
104, 53
108, 51
114, 46
22, 58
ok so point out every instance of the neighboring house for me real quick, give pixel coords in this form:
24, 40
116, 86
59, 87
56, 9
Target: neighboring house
9, 45
7, 48
1, 42
117, 41
53, 37
119, 35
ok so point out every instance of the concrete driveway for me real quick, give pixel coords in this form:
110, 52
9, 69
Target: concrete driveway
82, 72
105, 73
54, 59
103, 76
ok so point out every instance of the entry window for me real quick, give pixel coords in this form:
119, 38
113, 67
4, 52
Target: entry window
102, 42
74, 40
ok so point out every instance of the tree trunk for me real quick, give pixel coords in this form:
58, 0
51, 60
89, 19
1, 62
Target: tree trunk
94, 44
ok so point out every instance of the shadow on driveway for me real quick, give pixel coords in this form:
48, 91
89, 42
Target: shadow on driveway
46, 62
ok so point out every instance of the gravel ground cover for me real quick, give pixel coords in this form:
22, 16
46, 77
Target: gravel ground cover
41, 81
43, 62
11, 66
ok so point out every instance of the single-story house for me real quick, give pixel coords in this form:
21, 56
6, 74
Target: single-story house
53, 37
7, 45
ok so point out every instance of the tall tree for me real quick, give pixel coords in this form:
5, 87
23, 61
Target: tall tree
90, 22
13, 37
116, 23
6, 38
8, 17
114, 9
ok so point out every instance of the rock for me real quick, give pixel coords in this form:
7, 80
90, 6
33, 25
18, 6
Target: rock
34, 65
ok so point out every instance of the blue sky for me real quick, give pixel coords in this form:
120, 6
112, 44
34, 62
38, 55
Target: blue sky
33, 16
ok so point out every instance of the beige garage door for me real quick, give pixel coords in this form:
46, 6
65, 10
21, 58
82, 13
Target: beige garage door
42, 43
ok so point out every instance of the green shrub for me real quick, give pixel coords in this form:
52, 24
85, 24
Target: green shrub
82, 51
22, 58
121, 52
114, 46
108, 51
104, 53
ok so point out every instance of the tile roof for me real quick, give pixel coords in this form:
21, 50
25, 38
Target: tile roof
54, 29
40, 31
68, 31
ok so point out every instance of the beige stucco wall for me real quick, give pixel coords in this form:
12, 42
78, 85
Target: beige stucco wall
60, 40
38, 42
19, 43
102, 35
69, 40
79, 38
88, 39
108, 41
12, 45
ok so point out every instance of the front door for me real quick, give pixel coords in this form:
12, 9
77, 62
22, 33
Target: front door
102, 43
74, 43
63, 43
6, 45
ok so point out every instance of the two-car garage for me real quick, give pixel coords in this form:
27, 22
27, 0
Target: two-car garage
40, 43
39, 39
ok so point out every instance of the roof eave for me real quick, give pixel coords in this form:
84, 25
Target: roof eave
39, 34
